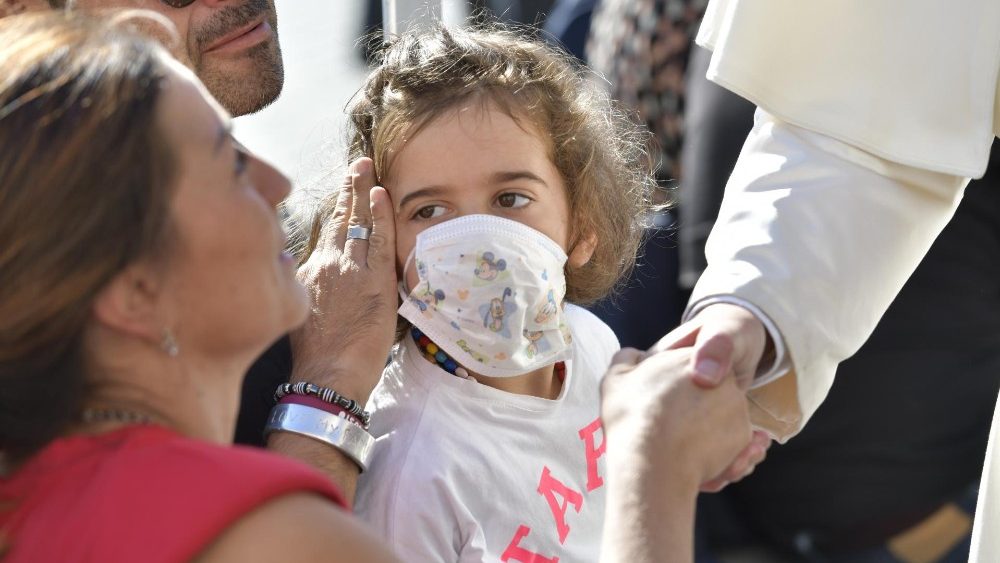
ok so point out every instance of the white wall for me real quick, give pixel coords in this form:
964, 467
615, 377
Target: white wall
302, 132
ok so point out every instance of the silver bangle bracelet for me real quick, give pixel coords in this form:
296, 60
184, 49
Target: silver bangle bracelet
326, 395
330, 429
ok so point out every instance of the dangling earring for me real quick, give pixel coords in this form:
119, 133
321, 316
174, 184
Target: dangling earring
169, 344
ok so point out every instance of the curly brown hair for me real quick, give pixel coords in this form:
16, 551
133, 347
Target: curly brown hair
599, 150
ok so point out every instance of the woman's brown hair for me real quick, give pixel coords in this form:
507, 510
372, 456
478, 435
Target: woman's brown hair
84, 191
599, 151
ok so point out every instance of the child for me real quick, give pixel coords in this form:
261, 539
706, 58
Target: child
517, 189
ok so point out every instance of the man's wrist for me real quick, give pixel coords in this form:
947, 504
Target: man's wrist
775, 361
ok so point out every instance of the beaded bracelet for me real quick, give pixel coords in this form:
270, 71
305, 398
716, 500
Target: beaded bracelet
326, 395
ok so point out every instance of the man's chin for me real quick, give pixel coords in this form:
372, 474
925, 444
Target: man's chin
246, 84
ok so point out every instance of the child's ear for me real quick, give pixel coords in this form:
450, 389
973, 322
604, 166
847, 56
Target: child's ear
128, 304
582, 251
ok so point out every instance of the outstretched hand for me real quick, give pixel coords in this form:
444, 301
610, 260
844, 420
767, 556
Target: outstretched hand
727, 342
664, 436
352, 285
650, 404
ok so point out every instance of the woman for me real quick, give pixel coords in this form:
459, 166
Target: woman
141, 272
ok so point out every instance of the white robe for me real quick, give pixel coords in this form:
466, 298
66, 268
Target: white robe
875, 114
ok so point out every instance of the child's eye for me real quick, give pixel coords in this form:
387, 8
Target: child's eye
512, 200
429, 212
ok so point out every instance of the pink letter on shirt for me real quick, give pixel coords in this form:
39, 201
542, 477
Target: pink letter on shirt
547, 487
593, 454
515, 552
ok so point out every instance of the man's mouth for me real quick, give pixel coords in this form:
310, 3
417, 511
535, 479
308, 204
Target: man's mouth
244, 37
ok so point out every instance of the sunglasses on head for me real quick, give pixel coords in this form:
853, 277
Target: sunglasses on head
178, 3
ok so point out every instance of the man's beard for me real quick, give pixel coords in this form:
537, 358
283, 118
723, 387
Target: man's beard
239, 92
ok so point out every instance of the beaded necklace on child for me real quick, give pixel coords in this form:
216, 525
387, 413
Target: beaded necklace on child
436, 355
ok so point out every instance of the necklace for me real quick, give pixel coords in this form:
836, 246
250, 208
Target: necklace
436, 355
108, 414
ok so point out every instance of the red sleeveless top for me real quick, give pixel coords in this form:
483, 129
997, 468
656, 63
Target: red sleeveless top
142, 493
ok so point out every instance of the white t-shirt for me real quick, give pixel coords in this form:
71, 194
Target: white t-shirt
465, 472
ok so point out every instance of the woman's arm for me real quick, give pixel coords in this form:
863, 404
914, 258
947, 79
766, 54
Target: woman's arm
299, 527
352, 285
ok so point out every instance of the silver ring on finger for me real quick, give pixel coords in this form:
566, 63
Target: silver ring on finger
358, 232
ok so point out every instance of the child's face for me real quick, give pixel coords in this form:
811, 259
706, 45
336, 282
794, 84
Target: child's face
477, 160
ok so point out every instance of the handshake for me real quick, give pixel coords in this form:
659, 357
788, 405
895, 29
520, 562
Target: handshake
682, 404
676, 421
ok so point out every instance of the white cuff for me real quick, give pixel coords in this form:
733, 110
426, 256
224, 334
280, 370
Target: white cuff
765, 374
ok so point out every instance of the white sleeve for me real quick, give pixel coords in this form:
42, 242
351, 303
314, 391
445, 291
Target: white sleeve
820, 236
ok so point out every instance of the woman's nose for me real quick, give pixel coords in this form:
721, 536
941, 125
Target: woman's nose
269, 181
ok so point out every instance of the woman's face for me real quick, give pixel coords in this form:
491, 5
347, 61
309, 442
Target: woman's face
230, 286
475, 160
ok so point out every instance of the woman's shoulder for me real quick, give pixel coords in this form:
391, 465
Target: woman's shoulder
139, 487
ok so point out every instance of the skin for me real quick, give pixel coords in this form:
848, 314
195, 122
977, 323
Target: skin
243, 78
665, 435
343, 346
728, 343
506, 172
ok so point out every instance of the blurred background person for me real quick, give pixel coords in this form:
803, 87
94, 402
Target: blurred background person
641, 47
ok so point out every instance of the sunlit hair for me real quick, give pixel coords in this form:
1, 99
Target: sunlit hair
85, 186
597, 149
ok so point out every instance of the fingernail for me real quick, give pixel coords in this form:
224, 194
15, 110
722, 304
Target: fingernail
707, 367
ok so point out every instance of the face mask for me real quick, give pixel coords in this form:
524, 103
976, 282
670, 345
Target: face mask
490, 294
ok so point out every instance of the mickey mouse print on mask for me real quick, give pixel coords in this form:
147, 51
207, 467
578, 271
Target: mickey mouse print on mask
490, 294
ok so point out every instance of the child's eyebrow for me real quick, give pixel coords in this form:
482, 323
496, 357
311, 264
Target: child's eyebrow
422, 192
510, 176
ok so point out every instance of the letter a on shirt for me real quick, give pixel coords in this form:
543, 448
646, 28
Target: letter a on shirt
515, 552
548, 487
